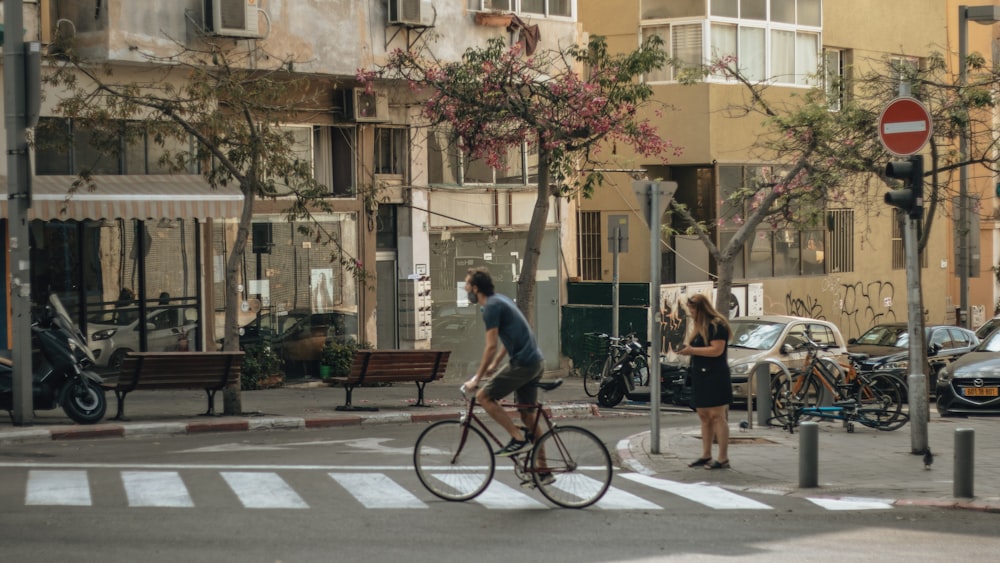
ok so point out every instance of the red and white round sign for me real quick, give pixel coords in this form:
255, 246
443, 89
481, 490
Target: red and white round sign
904, 126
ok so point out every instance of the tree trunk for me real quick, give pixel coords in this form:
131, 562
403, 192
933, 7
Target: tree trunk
533, 245
724, 289
232, 400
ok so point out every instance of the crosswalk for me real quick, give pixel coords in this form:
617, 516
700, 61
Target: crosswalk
379, 489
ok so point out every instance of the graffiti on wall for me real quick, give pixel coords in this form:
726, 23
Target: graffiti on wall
854, 307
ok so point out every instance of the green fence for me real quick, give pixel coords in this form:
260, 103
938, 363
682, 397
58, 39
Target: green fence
589, 310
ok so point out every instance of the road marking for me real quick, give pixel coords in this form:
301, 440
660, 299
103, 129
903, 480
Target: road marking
375, 490
708, 495
501, 497
263, 490
156, 488
57, 488
617, 499
849, 503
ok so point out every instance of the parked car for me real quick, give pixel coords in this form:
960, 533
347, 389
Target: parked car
112, 334
888, 347
760, 338
988, 328
971, 384
298, 337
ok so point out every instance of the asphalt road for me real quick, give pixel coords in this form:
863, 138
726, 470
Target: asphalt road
350, 494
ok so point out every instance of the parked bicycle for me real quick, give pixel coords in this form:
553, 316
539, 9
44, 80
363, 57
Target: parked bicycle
872, 399
569, 465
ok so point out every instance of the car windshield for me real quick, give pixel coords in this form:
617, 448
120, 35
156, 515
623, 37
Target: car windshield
988, 328
886, 335
991, 344
757, 335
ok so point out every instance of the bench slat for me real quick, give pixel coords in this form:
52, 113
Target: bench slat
388, 366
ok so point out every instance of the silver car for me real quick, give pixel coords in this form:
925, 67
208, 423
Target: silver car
761, 338
112, 334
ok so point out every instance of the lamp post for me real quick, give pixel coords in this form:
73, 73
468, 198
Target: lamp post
984, 15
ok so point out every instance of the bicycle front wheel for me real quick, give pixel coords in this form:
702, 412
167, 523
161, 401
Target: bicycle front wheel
595, 372
880, 402
453, 461
791, 394
572, 468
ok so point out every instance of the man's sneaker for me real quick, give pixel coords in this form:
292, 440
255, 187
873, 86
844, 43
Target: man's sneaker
543, 479
513, 447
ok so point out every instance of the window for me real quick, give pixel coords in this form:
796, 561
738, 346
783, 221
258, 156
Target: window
390, 151
562, 8
63, 147
588, 244
833, 78
840, 223
782, 44
334, 159
447, 164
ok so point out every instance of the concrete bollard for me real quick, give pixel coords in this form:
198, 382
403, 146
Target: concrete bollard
965, 462
808, 455
763, 380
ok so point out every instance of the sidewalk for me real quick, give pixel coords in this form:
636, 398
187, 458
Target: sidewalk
865, 464
299, 404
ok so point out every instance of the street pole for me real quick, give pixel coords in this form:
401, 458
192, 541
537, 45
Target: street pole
615, 300
654, 317
917, 379
963, 180
19, 195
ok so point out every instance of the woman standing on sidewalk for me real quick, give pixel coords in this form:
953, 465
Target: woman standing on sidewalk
711, 385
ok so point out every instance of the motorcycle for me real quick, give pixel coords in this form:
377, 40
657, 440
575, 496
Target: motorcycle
629, 379
61, 376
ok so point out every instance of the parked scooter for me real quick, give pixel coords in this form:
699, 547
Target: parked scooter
62, 376
629, 379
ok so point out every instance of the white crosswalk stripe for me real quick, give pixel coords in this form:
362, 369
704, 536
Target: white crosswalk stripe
710, 496
381, 488
377, 490
57, 488
156, 488
263, 490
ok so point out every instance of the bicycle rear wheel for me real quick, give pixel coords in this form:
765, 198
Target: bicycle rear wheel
451, 467
880, 402
579, 464
594, 374
789, 394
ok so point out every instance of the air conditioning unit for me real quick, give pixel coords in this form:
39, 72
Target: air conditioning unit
410, 12
232, 18
363, 106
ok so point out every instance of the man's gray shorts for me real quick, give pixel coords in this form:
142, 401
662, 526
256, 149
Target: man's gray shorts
516, 377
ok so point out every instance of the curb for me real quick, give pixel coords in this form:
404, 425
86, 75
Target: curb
628, 460
247, 424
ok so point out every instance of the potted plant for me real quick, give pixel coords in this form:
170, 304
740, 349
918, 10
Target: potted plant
337, 358
262, 369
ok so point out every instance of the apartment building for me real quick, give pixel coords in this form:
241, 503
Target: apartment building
850, 268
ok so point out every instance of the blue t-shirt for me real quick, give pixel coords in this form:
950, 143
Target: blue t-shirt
515, 334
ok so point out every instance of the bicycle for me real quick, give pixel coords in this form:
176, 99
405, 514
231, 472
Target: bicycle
605, 351
569, 465
873, 399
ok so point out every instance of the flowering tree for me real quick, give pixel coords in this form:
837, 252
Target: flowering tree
567, 104
822, 156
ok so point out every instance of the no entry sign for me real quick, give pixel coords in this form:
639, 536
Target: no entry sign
904, 126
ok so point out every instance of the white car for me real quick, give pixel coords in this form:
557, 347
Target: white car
759, 338
112, 334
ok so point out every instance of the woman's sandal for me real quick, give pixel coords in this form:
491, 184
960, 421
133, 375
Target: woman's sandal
700, 462
718, 465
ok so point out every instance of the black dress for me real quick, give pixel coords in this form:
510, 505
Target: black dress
711, 385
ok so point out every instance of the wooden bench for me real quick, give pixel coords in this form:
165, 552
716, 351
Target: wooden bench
391, 366
210, 371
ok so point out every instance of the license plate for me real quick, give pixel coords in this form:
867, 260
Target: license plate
980, 391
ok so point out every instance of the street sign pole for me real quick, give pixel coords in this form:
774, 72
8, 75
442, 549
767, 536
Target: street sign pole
653, 198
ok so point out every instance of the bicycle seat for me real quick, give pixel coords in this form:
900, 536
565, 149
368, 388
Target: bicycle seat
857, 356
548, 385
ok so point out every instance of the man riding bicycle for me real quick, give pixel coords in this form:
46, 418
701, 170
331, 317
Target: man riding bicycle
505, 325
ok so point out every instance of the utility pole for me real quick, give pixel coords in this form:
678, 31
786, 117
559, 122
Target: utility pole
20, 89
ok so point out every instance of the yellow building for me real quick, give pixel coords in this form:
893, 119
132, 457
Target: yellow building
848, 269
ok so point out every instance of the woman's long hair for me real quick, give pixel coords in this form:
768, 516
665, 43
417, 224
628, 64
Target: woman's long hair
703, 314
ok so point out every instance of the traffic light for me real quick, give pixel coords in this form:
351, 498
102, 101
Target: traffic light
910, 197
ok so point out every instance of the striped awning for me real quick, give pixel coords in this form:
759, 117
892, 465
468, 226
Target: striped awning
167, 196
